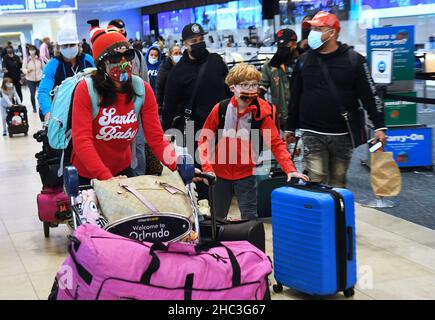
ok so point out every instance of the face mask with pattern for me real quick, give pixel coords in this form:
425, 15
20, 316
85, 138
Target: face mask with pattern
120, 72
245, 95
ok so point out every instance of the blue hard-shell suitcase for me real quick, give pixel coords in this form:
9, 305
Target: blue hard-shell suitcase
314, 243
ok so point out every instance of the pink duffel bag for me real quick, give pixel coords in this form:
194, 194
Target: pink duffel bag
51, 203
103, 266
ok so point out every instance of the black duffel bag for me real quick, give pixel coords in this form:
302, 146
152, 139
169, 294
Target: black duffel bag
249, 230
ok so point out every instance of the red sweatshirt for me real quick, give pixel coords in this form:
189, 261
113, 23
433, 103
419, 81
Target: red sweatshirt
101, 147
233, 157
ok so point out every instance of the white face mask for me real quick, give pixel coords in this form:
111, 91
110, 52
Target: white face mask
153, 60
176, 59
32, 52
70, 53
9, 85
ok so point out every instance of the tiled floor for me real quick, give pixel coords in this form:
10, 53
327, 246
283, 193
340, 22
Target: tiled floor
396, 258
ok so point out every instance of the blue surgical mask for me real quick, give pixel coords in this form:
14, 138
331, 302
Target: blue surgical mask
70, 52
153, 60
315, 39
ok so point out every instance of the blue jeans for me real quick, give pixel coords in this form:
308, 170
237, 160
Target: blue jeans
4, 113
33, 86
327, 158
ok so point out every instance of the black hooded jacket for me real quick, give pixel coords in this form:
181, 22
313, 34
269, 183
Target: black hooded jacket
312, 106
162, 78
181, 83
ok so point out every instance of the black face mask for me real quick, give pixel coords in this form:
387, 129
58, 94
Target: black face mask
282, 56
198, 50
285, 54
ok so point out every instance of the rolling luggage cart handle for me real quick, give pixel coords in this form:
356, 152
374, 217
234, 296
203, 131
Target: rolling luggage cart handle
71, 181
71, 186
211, 180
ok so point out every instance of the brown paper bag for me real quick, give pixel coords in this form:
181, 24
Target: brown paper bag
386, 179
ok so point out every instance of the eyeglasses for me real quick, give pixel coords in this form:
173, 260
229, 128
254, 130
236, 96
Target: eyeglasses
248, 86
116, 57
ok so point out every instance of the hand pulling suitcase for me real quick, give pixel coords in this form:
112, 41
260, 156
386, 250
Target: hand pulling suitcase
314, 239
269, 179
249, 230
17, 121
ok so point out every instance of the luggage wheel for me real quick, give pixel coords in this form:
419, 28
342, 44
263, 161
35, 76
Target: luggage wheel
278, 288
46, 229
349, 293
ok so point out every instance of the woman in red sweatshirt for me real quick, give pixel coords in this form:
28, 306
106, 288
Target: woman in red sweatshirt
226, 143
101, 145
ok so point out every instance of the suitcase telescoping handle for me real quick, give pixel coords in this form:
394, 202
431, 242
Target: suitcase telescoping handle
211, 180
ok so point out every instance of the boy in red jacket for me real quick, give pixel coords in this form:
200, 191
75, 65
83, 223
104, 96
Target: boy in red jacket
226, 143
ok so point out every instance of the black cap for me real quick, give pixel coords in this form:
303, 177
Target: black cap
284, 36
117, 23
192, 30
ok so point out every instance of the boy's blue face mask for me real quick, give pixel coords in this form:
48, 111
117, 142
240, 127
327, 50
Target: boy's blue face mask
315, 39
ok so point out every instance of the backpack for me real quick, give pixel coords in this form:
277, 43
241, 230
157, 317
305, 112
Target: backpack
255, 124
59, 124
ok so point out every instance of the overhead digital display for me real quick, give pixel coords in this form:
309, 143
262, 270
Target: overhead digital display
146, 25
249, 14
174, 21
227, 16
395, 8
206, 16
384, 4
37, 5
291, 12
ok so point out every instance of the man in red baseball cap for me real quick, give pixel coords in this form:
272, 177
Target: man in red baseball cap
325, 27
329, 83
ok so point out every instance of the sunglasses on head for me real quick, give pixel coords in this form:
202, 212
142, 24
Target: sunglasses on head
116, 57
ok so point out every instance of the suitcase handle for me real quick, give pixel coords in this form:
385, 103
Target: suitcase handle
211, 179
295, 182
350, 243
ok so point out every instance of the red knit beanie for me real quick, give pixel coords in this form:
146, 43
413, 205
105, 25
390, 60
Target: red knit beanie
105, 40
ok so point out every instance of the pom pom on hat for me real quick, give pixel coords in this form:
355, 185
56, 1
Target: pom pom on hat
105, 40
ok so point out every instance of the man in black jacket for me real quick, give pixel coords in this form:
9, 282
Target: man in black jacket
315, 109
172, 59
181, 81
12, 69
